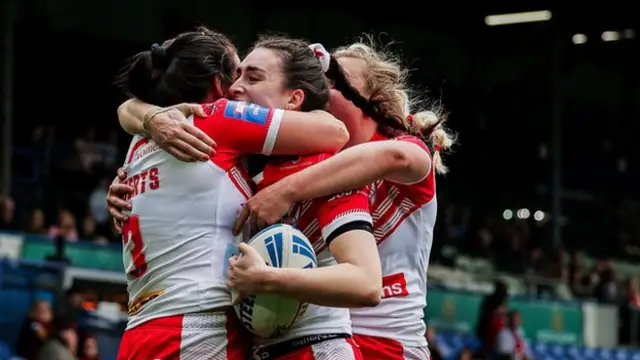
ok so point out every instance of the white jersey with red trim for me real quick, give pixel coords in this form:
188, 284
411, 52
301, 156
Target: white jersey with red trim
404, 217
320, 220
179, 233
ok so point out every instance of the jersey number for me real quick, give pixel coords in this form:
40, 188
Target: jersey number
131, 233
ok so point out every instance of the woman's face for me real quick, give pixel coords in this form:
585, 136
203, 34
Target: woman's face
261, 80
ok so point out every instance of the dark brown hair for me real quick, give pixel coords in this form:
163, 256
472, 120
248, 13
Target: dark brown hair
181, 69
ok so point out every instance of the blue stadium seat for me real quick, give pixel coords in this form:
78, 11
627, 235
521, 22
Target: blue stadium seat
5, 351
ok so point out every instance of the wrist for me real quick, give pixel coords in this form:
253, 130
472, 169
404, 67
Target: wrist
291, 189
271, 279
149, 116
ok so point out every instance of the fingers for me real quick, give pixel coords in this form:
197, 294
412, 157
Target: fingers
242, 218
261, 224
197, 110
115, 196
191, 109
117, 225
122, 176
197, 146
244, 248
117, 215
118, 203
184, 143
237, 297
179, 154
253, 223
199, 134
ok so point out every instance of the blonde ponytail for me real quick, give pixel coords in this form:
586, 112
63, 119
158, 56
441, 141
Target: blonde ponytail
424, 122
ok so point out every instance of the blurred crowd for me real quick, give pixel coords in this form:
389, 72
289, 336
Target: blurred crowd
61, 184
46, 334
521, 247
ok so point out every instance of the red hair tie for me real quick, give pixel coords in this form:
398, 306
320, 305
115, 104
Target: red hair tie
410, 119
437, 148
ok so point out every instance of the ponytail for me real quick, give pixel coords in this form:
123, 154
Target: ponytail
429, 126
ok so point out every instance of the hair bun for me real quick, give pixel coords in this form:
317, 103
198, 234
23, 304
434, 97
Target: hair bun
160, 60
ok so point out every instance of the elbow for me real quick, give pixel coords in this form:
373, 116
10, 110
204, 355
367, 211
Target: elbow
337, 137
398, 160
371, 294
123, 109
373, 297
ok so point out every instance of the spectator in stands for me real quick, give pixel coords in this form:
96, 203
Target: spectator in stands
606, 290
98, 206
434, 348
510, 345
7, 212
35, 330
465, 354
65, 228
90, 231
89, 349
63, 345
36, 222
71, 306
491, 317
633, 294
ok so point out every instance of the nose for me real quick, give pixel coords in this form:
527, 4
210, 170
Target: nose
236, 90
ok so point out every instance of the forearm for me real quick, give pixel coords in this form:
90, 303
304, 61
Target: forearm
341, 285
131, 115
350, 169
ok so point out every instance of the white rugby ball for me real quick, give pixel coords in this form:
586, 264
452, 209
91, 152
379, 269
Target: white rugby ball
282, 246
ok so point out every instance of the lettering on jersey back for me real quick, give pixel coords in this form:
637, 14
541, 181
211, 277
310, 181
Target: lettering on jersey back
147, 180
245, 111
394, 286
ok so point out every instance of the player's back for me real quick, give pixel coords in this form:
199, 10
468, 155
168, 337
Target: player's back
180, 226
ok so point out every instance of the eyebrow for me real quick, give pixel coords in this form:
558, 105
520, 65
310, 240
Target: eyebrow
250, 68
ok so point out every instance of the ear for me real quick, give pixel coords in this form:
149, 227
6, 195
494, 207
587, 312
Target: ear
296, 98
218, 89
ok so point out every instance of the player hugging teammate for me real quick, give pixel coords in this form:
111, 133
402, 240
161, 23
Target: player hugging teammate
396, 172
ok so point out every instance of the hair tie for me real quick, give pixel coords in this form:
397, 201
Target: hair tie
437, 148
410, 119
323, 55
160, 60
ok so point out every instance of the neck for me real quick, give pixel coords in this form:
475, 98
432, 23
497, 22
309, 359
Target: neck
365, 130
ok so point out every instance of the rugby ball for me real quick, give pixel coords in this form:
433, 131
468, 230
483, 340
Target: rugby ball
282, 246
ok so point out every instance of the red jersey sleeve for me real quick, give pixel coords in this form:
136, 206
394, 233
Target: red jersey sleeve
421, 191
282, 166
344, 212
242, 127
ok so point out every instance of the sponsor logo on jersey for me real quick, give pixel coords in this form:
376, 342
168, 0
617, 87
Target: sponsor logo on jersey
394, 286
245, 111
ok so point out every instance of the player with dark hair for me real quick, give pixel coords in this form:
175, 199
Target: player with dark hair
179, 230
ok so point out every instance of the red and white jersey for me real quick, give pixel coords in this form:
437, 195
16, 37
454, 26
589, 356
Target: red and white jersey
180, 226
321, 220
404, 217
